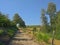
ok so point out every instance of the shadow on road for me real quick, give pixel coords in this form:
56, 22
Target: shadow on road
21, 39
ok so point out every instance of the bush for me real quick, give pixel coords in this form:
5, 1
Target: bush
46, 38
1, 32
57, 36
10, 32
42, 37
34, 30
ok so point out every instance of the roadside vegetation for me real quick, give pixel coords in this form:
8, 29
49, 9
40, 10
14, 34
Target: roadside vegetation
49, 30
8, 27
42, 34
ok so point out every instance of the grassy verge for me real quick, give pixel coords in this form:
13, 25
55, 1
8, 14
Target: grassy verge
6, 35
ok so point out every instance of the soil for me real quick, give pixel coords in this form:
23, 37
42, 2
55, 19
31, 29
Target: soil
22, 38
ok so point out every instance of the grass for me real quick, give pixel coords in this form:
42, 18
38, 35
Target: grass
24, 29
42, 37
6, 34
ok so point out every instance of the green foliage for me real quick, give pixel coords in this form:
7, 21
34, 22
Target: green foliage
45, 25
46, 38
58, 25
6, 34
17, 19
51, 10
57, 36
4, 21
8, 27
10, 32
39, 37
42, 37
54, 19
43, 17
32, 26
1, 32
34, 29
58, 21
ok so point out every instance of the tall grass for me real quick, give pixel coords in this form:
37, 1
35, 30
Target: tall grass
41, 37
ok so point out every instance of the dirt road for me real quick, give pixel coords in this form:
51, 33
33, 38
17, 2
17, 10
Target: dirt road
22, 38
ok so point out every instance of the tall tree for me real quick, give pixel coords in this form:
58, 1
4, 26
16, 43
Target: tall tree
51, 10
4, 21
17, 19
44, 21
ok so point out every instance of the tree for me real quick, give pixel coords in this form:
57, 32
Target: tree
44, 21
51, 10
58, 20
17, 19
58, 25
4, 21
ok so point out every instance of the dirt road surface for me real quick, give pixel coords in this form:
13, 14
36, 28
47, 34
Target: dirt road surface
22, 38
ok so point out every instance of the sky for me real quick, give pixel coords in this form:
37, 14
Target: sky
29, 10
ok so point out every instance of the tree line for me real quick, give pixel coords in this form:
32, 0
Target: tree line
8, 27
6, 22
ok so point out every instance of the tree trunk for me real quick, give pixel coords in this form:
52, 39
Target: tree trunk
53, 37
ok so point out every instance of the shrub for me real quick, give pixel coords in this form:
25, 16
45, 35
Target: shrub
42, 37
57, 36
10, 32
45, 37
34, 30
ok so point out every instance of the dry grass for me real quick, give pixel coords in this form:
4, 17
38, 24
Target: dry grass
29, 33
57, 42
